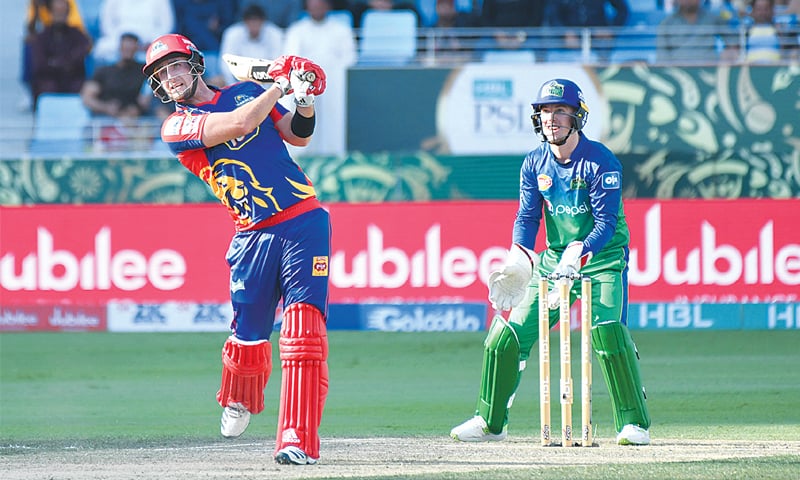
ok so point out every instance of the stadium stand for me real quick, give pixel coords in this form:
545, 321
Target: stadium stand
392, 39
388, 37
60, 124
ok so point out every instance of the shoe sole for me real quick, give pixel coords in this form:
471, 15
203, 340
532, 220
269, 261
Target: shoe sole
285, 459
475, 440
629, 443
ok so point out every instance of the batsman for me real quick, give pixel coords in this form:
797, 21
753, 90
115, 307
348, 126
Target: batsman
575, 184
234, 138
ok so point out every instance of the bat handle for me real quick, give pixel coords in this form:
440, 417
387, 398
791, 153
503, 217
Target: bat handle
307, 76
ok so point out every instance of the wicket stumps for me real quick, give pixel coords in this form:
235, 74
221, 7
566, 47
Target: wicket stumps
562, 283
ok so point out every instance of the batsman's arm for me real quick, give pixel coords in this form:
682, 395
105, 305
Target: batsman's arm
220, 127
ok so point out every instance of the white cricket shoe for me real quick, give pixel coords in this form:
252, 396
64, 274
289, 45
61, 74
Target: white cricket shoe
633, 435
476, 430
235, 419
292, 455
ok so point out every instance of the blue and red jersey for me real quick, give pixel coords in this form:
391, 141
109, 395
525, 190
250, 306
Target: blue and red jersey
253, 176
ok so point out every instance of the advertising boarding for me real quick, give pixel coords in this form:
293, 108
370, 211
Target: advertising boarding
683, 252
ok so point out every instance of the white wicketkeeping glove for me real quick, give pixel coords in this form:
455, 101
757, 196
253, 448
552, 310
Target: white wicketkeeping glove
507, 286
301, 81
572, 259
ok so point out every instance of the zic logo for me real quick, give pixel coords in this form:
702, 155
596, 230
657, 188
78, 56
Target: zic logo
611, 181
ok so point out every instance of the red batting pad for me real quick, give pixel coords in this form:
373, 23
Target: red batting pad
304, 351
245, 370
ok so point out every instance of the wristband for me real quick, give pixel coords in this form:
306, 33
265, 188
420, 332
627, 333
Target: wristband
302, 126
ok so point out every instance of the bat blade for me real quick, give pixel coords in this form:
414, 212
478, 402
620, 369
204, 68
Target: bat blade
248, 68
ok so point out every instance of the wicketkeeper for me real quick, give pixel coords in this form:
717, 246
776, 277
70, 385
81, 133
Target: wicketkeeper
576, 184
233, 139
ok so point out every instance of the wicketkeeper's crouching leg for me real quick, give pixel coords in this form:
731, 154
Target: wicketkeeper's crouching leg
619, 362
304, 353
499, 381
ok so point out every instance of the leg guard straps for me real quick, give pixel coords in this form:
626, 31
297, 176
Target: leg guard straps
500, 374
304, 387
620, 365
246, 367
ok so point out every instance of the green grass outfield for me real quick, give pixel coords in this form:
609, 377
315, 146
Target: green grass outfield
130, 390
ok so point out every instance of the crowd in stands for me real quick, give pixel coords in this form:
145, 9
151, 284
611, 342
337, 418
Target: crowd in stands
95, 48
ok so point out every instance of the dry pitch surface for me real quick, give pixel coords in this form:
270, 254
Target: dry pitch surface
359, 457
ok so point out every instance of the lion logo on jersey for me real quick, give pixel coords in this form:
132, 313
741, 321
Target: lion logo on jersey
238, 193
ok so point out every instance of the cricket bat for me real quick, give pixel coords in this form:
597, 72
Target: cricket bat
248, 68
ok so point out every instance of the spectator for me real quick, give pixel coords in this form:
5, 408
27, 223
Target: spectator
39, 17
690, 35
512, 13
204, 21
588, 13
448, 16
118, 96
450, 45
146, 18
787, 7
763, 41
332, 45
280, 12
360, 7
117, 90
787, 20
255, 36
58, 55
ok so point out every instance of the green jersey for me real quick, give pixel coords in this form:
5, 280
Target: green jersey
581, 200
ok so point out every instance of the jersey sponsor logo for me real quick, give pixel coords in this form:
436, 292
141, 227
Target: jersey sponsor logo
237, 285
173, 126
320, 268
577, 183
190, 125
571, 210
185, 125
611, 181
240, 100
544, 182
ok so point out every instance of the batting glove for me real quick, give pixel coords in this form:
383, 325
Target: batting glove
311, 72
280, 71
301, 83
572, 260
507, 286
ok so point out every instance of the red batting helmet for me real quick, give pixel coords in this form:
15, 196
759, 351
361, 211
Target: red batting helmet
171, 45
